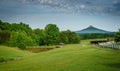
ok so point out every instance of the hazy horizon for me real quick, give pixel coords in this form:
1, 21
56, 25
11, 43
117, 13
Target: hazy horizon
66, 14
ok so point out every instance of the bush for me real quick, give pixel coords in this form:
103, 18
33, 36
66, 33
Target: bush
22, 46
20, 37
2, 59
4, 36
117, 37
69, 37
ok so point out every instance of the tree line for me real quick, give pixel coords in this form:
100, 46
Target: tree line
22, 35
96, 36
117, 36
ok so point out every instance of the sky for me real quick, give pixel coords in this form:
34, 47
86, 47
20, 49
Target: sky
66, 14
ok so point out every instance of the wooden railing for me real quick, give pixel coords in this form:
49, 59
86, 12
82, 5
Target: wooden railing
109, 45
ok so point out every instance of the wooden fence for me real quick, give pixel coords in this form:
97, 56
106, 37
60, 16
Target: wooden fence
109, 45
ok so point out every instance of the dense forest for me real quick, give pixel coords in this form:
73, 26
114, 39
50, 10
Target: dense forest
95, 36
22, 35
117, 36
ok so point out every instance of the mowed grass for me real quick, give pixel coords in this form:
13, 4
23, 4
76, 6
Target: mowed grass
12, 53
72, 57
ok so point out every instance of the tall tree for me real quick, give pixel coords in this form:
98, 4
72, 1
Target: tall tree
52, 34
69, 37
40, 36
64, 36
4, 36
20, 37
117, 36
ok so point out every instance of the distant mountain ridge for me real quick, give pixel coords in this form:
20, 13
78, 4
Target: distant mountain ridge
93, 30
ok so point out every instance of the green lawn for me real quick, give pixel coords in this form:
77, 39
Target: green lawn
12, 53
72, 57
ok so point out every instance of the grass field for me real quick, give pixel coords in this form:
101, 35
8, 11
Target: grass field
7, 53
72, 57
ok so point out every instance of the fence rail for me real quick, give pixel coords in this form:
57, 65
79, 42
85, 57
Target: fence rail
109, 45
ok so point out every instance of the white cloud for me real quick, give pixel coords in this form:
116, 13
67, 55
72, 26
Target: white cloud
82, 6
115, 1
96, 6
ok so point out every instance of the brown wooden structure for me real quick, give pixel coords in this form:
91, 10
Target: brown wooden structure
98, 41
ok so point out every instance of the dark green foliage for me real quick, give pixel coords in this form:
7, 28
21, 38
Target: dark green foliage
74, 38
2, 59
15, 27
22, 46
39, 36
17, 33
64, 36
21, 27
52, 34
4, 36
5, 26
95, 36
69, 37
21, 35
117, 36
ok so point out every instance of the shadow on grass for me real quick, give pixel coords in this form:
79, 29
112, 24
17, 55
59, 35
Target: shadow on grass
115, 65
37, 50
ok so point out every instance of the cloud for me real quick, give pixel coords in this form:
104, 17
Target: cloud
111, 7
78, 6
82, 6
117, 7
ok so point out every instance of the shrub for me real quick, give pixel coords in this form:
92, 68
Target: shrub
4, 36
22, 46
117, 37
2, 59
69, 37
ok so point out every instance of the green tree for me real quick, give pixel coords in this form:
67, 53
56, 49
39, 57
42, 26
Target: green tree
5, 26
69, 37
22, 46
52, 34
39, 36
20, 37
4, 36
21, 27
74, 38
64, 36
117, 36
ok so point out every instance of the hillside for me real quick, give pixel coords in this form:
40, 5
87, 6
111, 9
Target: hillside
73, 57
91, 29
11, 53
